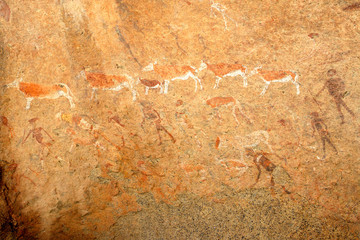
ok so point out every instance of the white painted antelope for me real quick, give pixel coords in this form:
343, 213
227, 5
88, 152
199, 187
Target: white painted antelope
34, 90
109, 82
224, 101
222, 70
174, 72
278, 76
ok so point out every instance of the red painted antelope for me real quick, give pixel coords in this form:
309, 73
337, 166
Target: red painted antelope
174, 72
150, 84
34, 90
278, 76
223, 101
108, 82
222, 70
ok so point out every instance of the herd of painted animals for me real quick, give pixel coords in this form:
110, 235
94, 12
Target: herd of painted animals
169, 73
100, 81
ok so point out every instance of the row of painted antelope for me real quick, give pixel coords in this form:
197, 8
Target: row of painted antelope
168, 74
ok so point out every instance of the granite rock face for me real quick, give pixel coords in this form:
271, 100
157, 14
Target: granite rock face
179, 119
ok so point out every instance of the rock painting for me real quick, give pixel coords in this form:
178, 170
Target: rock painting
189, 150
33, 91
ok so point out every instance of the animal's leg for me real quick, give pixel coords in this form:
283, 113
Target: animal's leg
166, 88
234, 114
265, 87
195, 84
266, 140
28, 102
297, 88
197, 80
72, 105
161, 89
93, 94
146, 90
244, 79
217, 82
134, 94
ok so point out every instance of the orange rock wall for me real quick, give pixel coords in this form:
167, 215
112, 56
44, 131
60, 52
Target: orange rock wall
185, 119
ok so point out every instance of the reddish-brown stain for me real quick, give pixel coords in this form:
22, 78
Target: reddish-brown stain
222, 69
219, 101
192, 168
354, 6
313, 35
282, 122
4, 10
235, 164
101, 80
217, 143
187, 2
4, 121
275, 75
37, 90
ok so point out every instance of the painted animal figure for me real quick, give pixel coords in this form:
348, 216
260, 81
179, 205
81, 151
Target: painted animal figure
34, 90
109, 82
248, 141
222, 70
278, 76
174, 72
261, 160
223, 101
151, 84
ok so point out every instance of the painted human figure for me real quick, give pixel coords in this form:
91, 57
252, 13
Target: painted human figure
318, 124
150, 113
5, 122
261, 160
336, 88
115, 119
181, 114
38, 134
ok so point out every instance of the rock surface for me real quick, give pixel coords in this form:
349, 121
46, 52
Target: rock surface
179, 119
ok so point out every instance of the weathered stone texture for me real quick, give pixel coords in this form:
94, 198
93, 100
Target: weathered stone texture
180, 119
